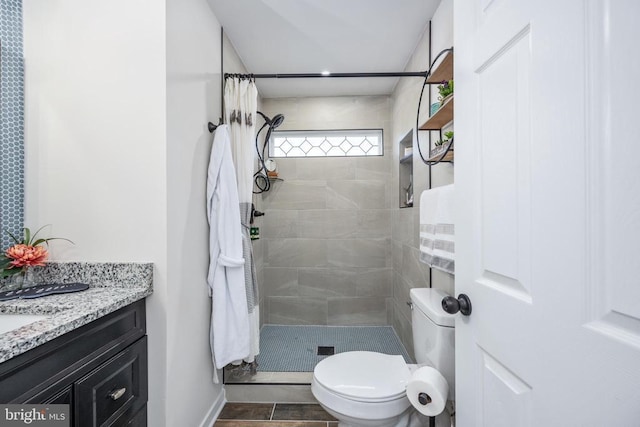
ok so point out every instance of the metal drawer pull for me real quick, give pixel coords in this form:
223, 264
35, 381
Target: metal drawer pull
117, 394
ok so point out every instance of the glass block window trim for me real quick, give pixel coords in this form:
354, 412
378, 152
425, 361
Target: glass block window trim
326, 143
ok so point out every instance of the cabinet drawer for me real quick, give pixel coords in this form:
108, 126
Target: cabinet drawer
117, 390
63, 397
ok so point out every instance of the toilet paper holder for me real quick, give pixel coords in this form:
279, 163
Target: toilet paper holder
450, 407
424, 398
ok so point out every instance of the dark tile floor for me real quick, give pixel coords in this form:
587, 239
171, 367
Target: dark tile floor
274, 415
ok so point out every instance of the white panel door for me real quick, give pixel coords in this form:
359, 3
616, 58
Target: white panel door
548, 231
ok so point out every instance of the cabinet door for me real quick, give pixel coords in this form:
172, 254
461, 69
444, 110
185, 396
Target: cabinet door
64, 397
117, 390
139, 420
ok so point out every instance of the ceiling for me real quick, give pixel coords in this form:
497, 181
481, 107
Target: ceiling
311, 36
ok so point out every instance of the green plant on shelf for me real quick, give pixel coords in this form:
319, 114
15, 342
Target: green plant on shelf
445, 89
448, 136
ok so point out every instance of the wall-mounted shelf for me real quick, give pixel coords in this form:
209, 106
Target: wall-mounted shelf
438, 157
405, 172
443, 116
444, 72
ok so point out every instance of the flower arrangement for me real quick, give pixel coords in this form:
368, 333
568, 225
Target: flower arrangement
25, 253
445, 89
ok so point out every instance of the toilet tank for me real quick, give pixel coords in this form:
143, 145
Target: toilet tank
433, 333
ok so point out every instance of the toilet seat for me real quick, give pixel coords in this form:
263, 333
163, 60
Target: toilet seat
364, 376
362, 384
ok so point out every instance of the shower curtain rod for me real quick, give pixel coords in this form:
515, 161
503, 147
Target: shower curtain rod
339, 75
328, 75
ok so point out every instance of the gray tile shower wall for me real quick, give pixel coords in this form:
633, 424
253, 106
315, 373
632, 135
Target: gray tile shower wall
327, 226
408, 271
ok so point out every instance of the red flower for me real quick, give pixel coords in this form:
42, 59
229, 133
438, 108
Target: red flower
26, 255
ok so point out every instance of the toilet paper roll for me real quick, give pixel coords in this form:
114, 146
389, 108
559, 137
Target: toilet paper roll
427, 391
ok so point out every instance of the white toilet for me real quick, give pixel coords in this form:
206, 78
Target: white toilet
363, 388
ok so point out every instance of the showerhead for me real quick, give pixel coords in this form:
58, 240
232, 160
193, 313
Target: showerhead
275, 122
261, 177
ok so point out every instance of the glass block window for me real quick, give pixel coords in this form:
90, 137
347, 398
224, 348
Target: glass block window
326, 143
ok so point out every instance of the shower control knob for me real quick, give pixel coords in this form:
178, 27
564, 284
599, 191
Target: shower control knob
452, 305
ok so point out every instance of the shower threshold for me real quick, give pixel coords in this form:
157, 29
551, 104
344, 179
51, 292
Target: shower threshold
232, 376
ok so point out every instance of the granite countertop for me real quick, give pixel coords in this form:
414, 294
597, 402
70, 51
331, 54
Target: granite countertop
111, 286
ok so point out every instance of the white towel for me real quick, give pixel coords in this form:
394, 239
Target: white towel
437, 231
229, 334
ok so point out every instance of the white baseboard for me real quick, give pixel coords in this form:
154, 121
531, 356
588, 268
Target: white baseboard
214, 411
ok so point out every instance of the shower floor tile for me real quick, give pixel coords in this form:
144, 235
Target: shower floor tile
285, 348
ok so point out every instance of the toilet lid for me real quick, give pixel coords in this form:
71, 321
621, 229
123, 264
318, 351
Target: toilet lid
364, 375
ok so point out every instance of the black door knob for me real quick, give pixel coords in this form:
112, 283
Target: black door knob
452, 305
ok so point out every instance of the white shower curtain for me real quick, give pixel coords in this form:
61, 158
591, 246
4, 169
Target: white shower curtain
240, 99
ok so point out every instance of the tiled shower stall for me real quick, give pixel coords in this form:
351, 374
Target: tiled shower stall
335, 248
327, 224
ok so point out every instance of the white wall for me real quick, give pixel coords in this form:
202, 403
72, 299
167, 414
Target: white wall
118, 95
193, 99
95, 126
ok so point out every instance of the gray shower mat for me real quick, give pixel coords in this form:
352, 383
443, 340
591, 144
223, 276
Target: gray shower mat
286, 348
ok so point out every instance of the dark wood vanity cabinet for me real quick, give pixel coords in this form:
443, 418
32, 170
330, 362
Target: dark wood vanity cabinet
99, 369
